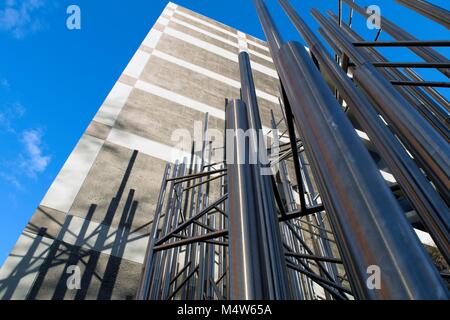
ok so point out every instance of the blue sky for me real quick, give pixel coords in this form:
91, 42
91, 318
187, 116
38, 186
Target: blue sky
53, 80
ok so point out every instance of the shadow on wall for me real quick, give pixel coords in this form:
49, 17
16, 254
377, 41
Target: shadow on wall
99, 271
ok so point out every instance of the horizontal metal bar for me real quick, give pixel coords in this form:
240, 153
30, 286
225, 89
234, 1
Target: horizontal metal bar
313, 233
412, 64
301, 213
195, 175
427, 53
313, 257
316, 226
406, 43
421, 83
205, 181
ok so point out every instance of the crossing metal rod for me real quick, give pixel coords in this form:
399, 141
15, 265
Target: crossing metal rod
436, 84
367, 217
427, 203
416, 96
405, 43
252, 268
435, 95
428, 54
411, 65
367, 220
295, 153
427, 146
300, 285
434, 12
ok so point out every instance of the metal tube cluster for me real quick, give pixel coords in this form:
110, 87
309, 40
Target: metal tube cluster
326, 223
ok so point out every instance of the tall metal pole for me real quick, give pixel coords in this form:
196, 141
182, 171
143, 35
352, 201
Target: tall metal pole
369, 224
428, 54
430, 207
145, 284
264, 192
436, 13
251, 270
433, 112
427, 146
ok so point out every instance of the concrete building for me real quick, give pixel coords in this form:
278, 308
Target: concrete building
98, 211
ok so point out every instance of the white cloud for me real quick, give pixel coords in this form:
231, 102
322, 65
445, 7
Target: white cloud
30, 159
22, 17
9, 114
11, 179
34, 161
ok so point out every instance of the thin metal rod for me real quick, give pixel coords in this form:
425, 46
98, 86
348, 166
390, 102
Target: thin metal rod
146, 278
295, 154
205, 181
434, 12
435, 95
200, 238
350, 16
180, 273
313, 257
430, 207
181, 285
369, 202
428, 54
195, 176
317, 278
406, 43
427, 145
411, 64
437, 84
190, 220
340, 11
302, 213
417, 96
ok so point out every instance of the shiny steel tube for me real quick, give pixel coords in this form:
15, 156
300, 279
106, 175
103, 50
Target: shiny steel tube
436, 13
433, 112
434, 94
369, 223
366, 219
251, 270
267, 213
146, 278
428, 147
274, 39
431, 208
428, 54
